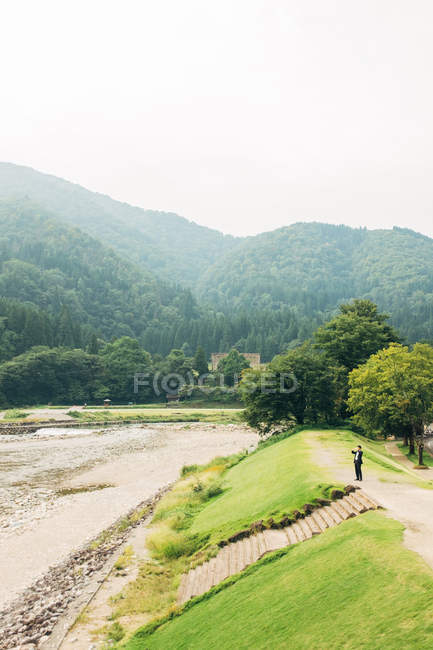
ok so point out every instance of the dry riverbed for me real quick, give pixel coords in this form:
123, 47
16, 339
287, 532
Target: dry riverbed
60, 488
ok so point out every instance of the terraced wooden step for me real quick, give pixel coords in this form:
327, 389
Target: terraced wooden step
235, 557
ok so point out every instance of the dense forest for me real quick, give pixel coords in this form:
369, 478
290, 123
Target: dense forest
314, 267
80, 271
60, 286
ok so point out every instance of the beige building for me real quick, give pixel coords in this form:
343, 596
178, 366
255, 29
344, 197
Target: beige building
252, 357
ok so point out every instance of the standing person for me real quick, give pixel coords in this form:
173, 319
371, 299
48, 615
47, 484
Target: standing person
358, 462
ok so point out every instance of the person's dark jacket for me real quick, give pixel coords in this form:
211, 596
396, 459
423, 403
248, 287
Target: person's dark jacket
359, 460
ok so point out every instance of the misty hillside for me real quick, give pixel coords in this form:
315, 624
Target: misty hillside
176, 249
308, 268
48, 265
314, 267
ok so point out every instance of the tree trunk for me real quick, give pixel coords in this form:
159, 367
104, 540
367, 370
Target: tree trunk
411, 443
405, 439
418, 430
420, 454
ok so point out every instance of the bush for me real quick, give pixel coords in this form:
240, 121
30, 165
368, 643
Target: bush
188, 469
169, 544
15, 414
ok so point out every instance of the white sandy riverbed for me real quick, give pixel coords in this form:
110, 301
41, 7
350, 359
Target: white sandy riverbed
136, 460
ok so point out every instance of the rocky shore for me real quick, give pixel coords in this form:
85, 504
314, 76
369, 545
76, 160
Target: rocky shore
29, 620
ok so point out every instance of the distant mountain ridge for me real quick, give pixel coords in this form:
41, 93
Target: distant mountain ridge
165, 243
309, 268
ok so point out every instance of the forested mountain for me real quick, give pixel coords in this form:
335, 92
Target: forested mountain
59, 286
174, 248
313, 267
260, 293
47, 265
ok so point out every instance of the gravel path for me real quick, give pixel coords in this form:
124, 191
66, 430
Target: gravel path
136, 471
409, 504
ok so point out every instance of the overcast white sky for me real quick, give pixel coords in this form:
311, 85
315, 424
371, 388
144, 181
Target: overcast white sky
243, 115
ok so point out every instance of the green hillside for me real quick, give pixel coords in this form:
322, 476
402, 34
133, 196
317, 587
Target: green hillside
48, 265
354, 585
259, 293
169, 245
313, 267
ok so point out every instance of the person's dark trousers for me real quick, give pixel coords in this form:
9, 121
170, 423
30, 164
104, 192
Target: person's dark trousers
358, 471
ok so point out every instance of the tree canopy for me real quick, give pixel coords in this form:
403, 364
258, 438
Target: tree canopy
394, 389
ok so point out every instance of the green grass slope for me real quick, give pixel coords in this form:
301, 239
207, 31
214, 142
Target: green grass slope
270, 482
355, 586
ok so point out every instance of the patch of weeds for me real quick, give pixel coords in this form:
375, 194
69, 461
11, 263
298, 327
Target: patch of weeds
74, 414
168, 544
64, 492
115, 632
124, 560
15, 414
153, 591
188, 469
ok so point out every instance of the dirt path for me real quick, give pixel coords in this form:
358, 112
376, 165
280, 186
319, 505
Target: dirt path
27, 554
409, 504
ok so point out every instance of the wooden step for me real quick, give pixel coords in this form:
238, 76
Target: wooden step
332, 514
210, 573
275, 539
255, 550
188, 584
330, 521
342, 512
182, 589
320, 520
298, 531
249, 552
353, 498
305, 528
241, 555
345, 503
261, 542
367, 500
205, 581
291, 536
192, 581
313, 525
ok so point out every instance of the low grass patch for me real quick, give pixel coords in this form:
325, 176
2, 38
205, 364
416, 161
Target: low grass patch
355, 586
66, 491
15, 414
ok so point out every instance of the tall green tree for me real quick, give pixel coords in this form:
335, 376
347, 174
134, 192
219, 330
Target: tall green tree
123, 359
232, 366
199, 363
355, 334
393, 390
297, 387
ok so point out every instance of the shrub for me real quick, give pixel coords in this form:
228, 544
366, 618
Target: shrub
166, 543
188, 469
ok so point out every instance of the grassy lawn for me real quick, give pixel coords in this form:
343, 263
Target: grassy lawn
155, 415
355, 586
271, 482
